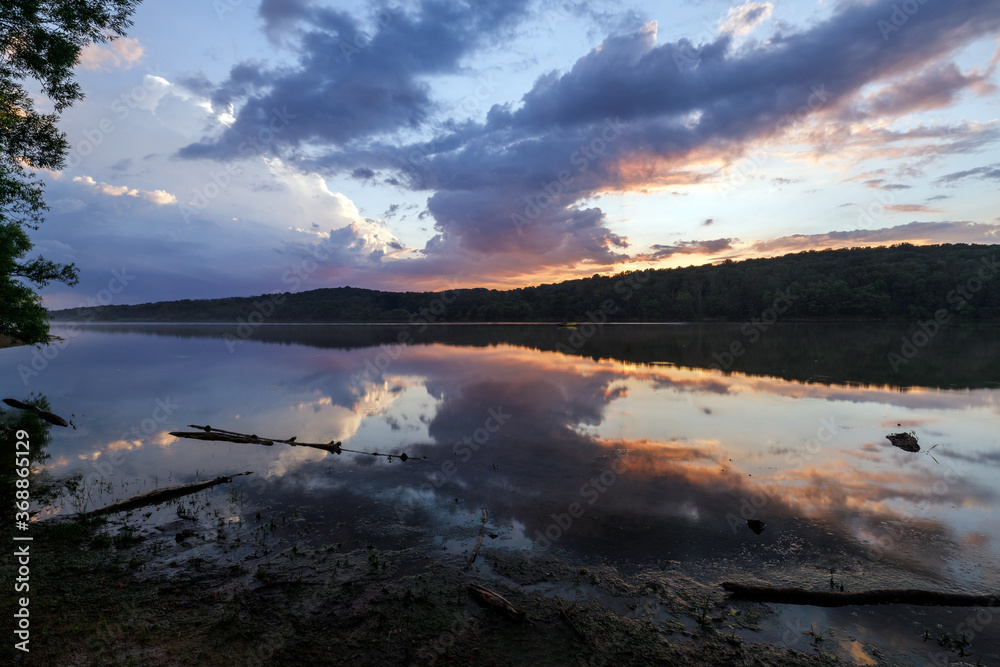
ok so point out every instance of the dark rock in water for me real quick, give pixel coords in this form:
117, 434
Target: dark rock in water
184, 534
756, 525
904, 441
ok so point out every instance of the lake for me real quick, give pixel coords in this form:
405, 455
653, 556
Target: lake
635, 446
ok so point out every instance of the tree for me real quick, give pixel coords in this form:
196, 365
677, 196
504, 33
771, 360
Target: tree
40, 40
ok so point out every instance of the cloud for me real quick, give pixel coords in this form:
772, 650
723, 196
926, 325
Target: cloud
785, 181
121, 53
989, 172
744, 18
911, 208
158, 197
351, 84
517, 192
933, 88
690, 248
880, 184
914, 232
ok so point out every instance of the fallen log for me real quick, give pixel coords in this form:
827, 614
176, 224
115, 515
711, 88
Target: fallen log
42, 414
224, 437
487, 598
160, 495
218, 434
835, 599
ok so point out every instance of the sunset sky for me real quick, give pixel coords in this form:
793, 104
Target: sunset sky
238, 147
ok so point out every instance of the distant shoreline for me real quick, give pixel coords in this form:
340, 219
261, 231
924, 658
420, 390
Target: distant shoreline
789, 320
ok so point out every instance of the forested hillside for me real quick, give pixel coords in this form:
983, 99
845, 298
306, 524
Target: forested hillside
899, 282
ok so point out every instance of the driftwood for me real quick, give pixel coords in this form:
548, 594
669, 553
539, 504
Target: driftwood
834, 599
42, 414
479, 542
488, 598
160, 495
225, 437
475, 552
218, 434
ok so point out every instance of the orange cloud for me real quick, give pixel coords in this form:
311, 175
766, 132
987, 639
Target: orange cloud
122, 53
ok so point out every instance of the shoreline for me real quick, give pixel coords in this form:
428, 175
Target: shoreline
101, 599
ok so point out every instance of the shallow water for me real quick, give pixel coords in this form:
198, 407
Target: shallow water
635, 445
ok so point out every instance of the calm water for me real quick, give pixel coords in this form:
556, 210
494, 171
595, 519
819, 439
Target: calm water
636, 445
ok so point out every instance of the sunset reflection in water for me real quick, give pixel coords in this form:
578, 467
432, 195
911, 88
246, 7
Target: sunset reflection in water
528, 433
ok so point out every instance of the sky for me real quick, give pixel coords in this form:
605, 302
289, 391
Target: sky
237, 147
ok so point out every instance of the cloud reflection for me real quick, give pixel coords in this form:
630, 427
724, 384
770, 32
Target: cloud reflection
526, 433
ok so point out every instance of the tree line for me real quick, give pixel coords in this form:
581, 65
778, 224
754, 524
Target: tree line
895, 282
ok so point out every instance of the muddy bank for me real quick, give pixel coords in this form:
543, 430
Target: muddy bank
103, 593
9, 342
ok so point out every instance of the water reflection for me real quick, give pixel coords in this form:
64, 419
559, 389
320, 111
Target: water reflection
587, 452
965, 356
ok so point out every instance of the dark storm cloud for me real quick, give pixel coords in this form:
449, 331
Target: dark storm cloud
631, 114
351, 82
745, 93
663, 105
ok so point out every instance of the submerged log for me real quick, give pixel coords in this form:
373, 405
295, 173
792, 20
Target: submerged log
160, 495
834, 599
487, 598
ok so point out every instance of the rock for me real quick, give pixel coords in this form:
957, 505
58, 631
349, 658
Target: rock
756, 525
904, 441
183, 536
